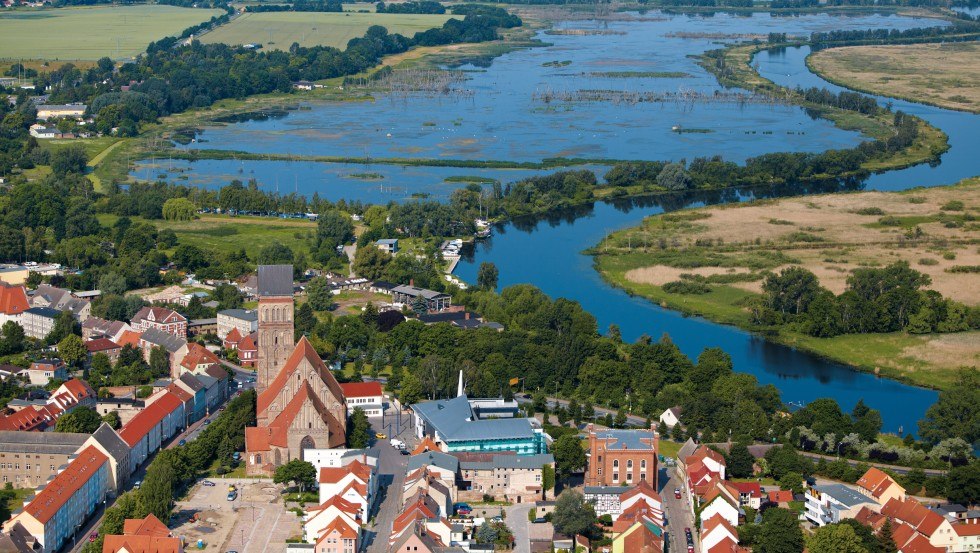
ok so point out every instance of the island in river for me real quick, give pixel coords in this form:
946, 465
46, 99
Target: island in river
713, 261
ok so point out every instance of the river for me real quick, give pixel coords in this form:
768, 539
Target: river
502, 120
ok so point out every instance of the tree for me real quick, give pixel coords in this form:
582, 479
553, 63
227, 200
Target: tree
957, 412
573, 515
157, 491
411, 391
370, 262
159, 361
486, 533
72, 350
791, 291
305, 318
964, 483
64, 325
71, 159
275, 253
179, 209
358, 430
318, 294
547, 477
740, 461
82, 420
674, 177
13, 338
112, 283
487, 276
112, 419
569, 455
780, 532
886, 539
835, 538
301, 473
792, 481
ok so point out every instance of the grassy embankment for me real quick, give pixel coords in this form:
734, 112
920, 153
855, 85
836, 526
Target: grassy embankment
943, 75
90, 32
734, 246
931, 141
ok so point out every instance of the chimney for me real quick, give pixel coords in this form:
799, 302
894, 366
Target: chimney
467, 315
411, 282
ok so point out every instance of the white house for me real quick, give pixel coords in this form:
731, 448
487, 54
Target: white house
355, 483
832, 503
671, 416
720, 501
319, 517
367, 395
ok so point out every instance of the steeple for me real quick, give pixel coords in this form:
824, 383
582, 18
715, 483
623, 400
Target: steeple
459, 388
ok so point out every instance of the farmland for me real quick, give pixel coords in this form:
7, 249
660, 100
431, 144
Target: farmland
279, 30
89, 33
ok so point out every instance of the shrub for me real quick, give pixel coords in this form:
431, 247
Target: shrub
928, 261
890, 221
952, 205
686, 287
949, 256
870, 211
964, 269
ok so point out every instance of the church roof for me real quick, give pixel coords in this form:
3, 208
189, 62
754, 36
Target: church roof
275, 280
279, 429
303, 350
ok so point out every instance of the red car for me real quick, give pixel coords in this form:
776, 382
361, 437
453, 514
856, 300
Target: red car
677, 493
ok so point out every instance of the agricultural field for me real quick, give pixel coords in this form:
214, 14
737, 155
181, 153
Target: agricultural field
279, 30
89, 33
732, 247
945, 75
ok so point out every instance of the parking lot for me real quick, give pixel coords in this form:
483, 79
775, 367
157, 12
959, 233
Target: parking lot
256, 522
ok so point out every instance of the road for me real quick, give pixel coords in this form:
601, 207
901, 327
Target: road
678, 511
391, 472
516, 520
632, 420
897, 469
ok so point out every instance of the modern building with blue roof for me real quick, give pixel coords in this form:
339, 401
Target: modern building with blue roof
454, 425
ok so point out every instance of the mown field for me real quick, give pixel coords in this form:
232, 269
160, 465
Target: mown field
225, 234
940, 74
279, 30
89, 33
732, 247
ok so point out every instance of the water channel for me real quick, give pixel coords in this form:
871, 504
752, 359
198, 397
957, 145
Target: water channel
505, 119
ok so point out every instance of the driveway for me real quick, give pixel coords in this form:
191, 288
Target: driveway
516, 520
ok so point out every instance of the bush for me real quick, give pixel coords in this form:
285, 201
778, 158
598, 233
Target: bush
686, 287
949, 256
952, 205
870, 211
928, 261
890, 221
964, 269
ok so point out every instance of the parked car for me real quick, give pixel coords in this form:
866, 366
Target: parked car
677, 493
381, 436
462, 509
182, 442
208, 483
137, 484
232, 496
404, 452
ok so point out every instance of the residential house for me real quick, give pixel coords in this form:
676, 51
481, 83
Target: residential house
191, 385
937, 529
54, 111
716, 530
880, 487
71, 394
671, 416
621, 456
643, 494
198, 359
60, 299
30, 419
94, 327
45, 370
29, 459
143, 535
643, 537
320, 517
338, 537
175, 346
908, 540
967, 537
13, 303
38, 322
424, 482
108, 441
105, 346
160, 318
215, 381
125, 407
445, 465
197, 327
369, 396
65, 503
153, 426
388, 245
832, 503
605, 499
245, 321
781, 498
356, 483
721, 500
749, 494
248, 351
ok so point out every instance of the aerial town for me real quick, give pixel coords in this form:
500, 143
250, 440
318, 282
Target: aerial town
530, 276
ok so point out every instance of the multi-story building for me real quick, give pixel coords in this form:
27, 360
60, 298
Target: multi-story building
63, 505
245, 321
29, 459
434, 301
160, 318
367, 395
514, 478
38, 322
13, 302
605, 499
621, 457
156, 424
880, 487
175, 346
60, 299
934, 528
832, 503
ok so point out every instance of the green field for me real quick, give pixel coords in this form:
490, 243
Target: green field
225, 234
279, 30
89, 33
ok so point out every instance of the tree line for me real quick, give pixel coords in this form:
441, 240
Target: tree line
819, 40
425, 6
299, 6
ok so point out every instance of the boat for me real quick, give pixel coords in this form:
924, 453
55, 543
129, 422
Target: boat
482, 233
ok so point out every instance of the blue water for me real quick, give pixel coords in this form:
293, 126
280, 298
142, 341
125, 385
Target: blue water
504, 121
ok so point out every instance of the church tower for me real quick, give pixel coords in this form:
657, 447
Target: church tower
275, 335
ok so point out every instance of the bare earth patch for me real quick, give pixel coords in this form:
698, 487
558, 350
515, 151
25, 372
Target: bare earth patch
942, 74
947, 350
658, 275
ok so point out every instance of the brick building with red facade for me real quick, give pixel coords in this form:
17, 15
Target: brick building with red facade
618, 457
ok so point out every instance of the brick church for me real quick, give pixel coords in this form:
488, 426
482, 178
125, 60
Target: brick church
300, 405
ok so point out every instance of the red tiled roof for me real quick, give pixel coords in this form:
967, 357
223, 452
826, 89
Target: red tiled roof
257, 438
303, 350
715, 523
234, 336
31, 418
13, 299
79, 389
727, 545
161, 315
181, 394
643, 488
198, 355
875, 482
361, 389
751, 489
130, 338
870, 518
101, 344
279, 428
338, 526
643, 540
66, 484
248, 343
425, 445
781, 496
705, 452
144, 421
341, 504
967, 529
149, 526
141, 544
332, 475
914, 514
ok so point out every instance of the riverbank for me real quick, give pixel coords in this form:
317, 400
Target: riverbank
732, 66
943, 75
689, 261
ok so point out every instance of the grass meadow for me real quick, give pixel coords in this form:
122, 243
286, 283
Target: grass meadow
279, 30
89, 33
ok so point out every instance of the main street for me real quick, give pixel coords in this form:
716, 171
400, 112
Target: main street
677, 511
391, 474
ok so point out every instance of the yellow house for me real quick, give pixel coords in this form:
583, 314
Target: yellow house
643, 537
